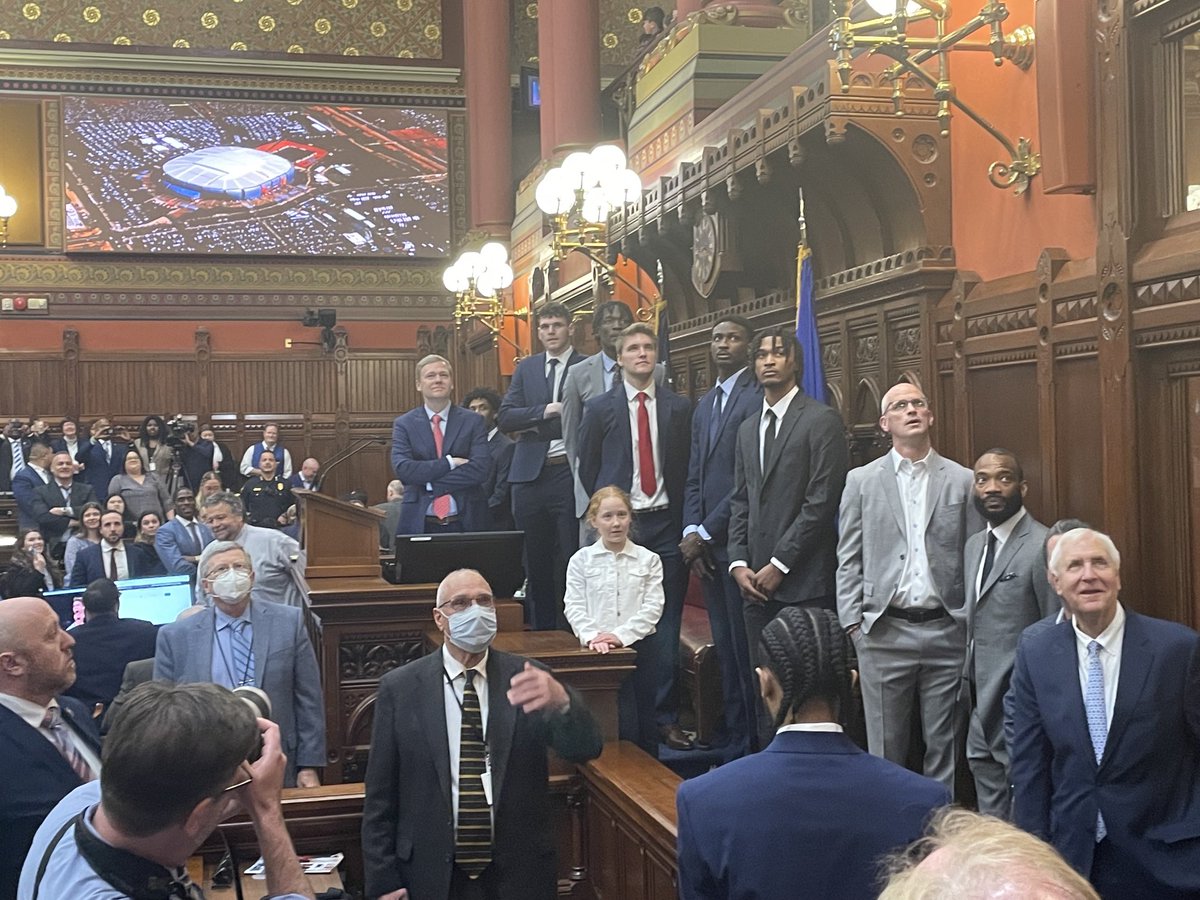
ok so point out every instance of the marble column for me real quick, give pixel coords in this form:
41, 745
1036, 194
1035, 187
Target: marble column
489, 115
546, 79
575, 30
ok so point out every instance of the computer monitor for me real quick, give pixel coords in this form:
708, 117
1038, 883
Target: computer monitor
428, 558
158, 599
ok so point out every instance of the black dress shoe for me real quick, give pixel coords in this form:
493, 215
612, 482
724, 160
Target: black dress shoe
674, 737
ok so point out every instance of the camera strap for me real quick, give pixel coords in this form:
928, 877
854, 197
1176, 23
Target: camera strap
128, 873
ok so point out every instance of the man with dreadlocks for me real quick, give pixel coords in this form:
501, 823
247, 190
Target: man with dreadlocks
812, 815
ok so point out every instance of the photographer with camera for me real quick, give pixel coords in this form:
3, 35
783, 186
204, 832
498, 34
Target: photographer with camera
178, 761
103, 457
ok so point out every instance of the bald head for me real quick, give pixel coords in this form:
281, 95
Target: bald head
467, 581
36, 661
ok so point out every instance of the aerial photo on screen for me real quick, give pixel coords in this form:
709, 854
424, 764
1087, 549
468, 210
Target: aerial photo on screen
222, 176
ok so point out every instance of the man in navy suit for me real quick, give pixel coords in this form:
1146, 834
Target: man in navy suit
57, 505
638, 437
181, 540
497, 489
812, 815
543, 495
440, 452
306, 478
28, 481
734, 397
102, 458
110, 557
105, 643
1105, 744
49, 744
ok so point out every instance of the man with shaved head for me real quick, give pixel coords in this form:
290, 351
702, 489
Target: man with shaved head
1105, 753
904, 522
49, 744
456, 801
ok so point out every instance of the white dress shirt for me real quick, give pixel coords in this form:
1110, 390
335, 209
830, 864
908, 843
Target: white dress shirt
453, 684
41, 473
1002, 531
35, 713
620, 593
1110, 640
637, 496
916, 589
558, 446
610, 370
106, 554
812, 728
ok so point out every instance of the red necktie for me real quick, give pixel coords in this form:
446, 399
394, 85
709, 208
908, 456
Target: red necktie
645, 448
441, 505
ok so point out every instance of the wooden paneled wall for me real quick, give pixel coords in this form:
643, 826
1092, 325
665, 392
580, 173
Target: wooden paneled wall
324, 402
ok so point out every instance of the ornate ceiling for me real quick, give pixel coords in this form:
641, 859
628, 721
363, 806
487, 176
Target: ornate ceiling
620, 28
405, 29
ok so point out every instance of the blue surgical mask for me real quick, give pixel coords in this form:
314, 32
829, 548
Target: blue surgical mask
473, 628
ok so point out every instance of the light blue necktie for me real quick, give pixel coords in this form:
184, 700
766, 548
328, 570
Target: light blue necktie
1097, 718
243, 656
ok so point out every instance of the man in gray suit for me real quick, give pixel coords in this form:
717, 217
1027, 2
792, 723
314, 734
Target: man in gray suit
1007, 591
904, 521
591, 378
244, 642
789, 468
278, 559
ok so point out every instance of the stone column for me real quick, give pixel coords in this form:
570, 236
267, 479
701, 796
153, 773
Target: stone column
546, 76
489, 115
575, 30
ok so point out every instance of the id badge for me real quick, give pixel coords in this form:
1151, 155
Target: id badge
486, 778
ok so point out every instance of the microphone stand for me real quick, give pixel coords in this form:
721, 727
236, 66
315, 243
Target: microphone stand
352, 450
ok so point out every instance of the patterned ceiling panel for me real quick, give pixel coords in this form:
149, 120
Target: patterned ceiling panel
404, 29
620, 28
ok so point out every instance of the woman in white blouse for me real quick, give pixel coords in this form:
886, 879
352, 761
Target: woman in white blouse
614, 599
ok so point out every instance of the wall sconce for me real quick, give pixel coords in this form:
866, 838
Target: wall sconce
579, 196
888, 35
8, 208
477, 279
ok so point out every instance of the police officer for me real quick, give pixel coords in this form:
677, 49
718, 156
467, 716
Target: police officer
267, 496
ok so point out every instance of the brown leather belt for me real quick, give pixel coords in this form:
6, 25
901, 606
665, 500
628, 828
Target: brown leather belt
916, 616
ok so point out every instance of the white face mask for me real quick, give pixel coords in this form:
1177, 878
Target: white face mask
473, 628
231, 585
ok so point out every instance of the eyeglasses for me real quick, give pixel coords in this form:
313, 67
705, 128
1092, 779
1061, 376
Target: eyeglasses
914, 403
246, 779
458, 604
221, 570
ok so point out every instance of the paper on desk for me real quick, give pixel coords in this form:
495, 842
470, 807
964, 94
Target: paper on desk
312, 865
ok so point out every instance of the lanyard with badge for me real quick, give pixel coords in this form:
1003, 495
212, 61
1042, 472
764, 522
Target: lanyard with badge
486, 777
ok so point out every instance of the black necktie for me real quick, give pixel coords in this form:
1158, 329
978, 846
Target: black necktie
473, 840
989, 557
555, 391
714, 424
769, 439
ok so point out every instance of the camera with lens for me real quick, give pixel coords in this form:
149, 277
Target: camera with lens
260, 703
178, 428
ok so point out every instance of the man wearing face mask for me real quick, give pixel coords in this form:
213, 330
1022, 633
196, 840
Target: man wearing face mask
244, 642
456, 801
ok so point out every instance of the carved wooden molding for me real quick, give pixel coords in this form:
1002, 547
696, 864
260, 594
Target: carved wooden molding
1075, 348
1075, 309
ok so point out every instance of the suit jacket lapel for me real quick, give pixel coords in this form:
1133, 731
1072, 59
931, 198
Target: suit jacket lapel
741, 387
202, 638
454, 423
663, 413
886, 474
1062, 676
1004, 557
937, 480
68, 716
432, 699
260, 641
424, 432
1137, 659
794, 411
621, 420
502, 719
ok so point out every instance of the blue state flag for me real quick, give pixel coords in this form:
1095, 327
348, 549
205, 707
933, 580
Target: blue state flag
813, 380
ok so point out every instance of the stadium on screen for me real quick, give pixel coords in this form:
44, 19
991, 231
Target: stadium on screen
227, 173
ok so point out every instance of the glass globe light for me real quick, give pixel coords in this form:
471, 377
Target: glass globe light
623, 187
503, 275
455, 280
578, 169
485, 285
607, 158
887, 8
595, 206
8, 205
471, 263
493, 253
554, 195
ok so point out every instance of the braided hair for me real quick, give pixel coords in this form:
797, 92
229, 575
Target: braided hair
809, 655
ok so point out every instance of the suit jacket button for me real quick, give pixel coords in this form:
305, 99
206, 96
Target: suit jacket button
902, 556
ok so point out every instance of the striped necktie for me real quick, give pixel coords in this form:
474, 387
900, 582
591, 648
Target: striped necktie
241, 653
473, 840
53, 723
1097, 716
